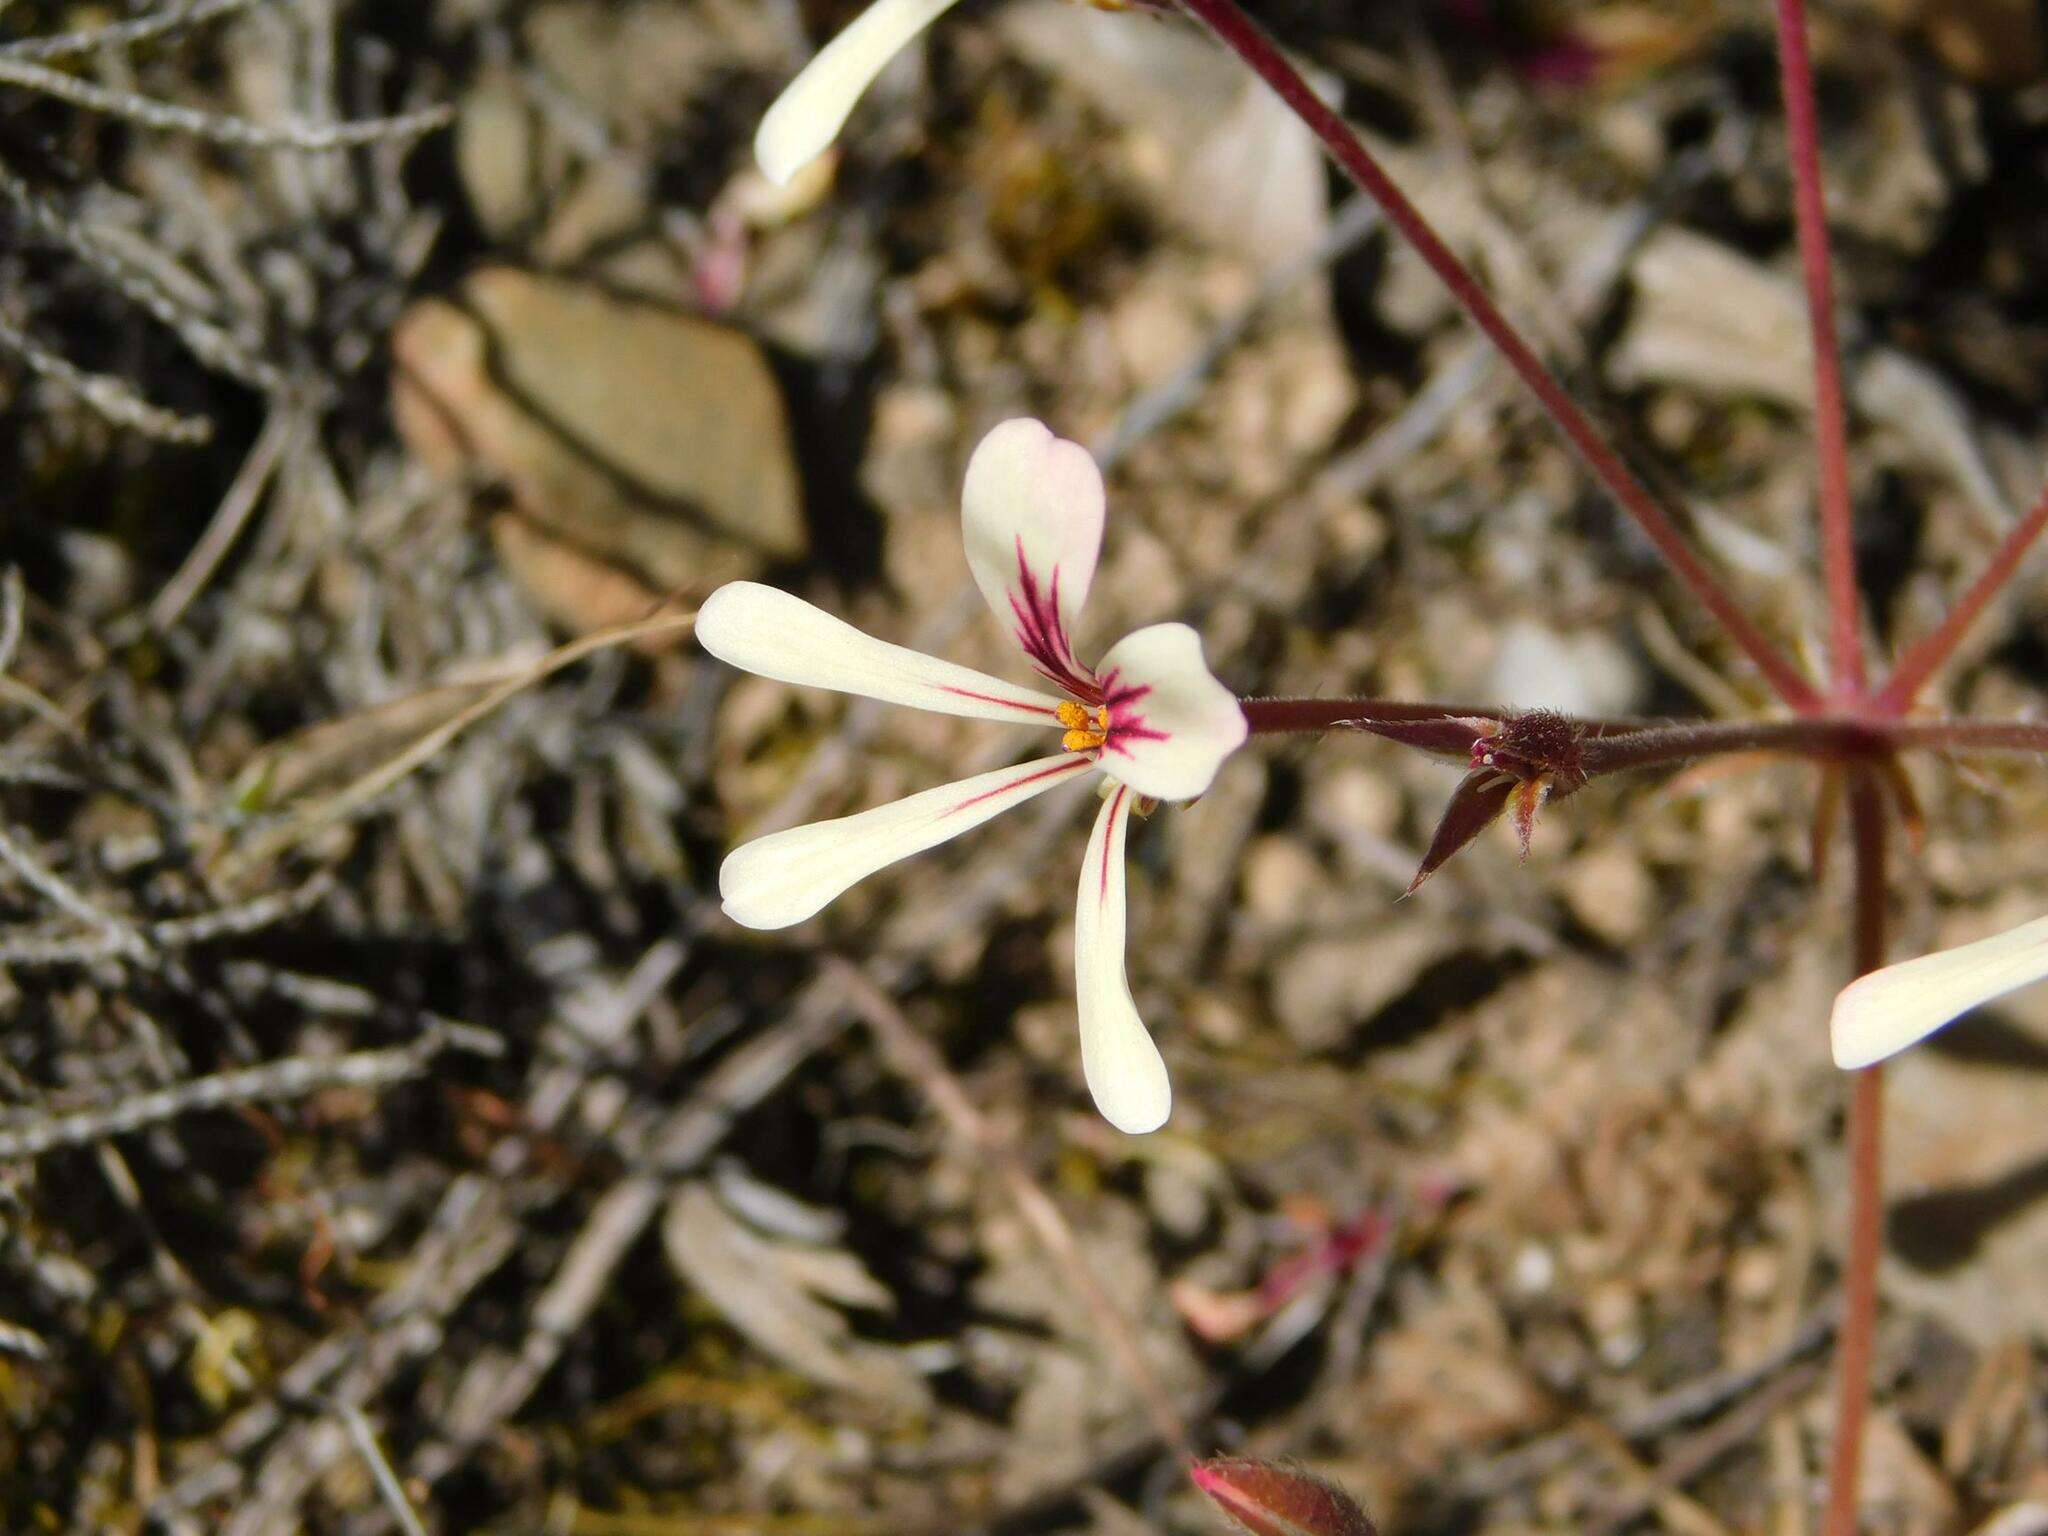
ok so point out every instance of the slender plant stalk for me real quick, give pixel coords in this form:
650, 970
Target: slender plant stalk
1249, 41
1827, 740
1866, 1181
1830, 418
1276, 717
1927, 654
1611, 745
1969, 735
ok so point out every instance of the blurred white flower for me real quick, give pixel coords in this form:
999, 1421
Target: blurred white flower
1150, 717
1881, 1014
808, 115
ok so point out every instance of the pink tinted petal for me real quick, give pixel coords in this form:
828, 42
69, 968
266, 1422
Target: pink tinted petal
1171, 723
783, 878
772, 634
1125, 1072
1881, 1014
1031, 515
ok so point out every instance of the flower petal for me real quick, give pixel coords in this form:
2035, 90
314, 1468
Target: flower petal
811, 110
768, 632
1031, 515
785, 877
1125, 1072
1881, 1014
1171, 723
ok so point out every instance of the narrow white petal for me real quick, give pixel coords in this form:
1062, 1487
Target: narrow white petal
765, 631
1881, 1014
1031, 514
1171, 723
809, 113
1125, 1071
786, 877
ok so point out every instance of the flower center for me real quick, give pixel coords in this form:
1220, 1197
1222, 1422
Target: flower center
1086, 729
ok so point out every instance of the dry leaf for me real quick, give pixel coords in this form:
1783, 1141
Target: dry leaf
768, 1290
335, 752
1241, 171
1710, 319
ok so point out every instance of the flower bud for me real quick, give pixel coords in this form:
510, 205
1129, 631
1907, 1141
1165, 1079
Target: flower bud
1270, 1500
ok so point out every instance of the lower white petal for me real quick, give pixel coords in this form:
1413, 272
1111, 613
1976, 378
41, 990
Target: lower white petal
1171, 723
786, 877
812, 109
1124, 1069
1881, 1014
768, 632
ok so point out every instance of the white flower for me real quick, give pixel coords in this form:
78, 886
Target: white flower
1881, 1014
809, 113
1149, 716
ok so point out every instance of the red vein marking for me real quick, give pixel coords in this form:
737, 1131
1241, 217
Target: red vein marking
1116, 803
990, 698
1125, 723
1042, 635
1068, 765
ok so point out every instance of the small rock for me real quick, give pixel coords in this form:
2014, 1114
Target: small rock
1611, 894
1280, 879
653, 442
1585, 673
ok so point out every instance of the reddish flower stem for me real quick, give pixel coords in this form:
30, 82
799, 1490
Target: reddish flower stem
1614, 744
1830, 418
1926, 655
1244, 37
1866, 1180
1827, 740
1274, 717
1969, 735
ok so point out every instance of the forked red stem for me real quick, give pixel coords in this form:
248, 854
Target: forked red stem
1248, 40
1926, 655
1866, 1180
1830, 416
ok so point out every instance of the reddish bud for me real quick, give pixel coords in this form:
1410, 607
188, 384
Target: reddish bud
1541, 744
1270, 1500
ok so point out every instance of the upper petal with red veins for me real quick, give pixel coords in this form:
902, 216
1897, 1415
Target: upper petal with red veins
1031, 515
1171, 723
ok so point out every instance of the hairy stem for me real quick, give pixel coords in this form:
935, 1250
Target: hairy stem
1866, 1183
1826, 740
1837, 546
1970, 735
1244, 37
1274, 717
1927, 654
